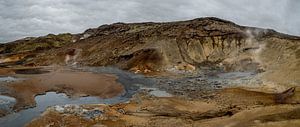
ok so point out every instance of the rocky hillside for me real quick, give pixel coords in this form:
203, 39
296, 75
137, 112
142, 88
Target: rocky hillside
21, 50
171, 46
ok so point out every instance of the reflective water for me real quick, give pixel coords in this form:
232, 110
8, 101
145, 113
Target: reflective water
6, 103
19, 119
130, 81
7, 79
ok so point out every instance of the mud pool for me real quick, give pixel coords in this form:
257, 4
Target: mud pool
51, 99
130, 81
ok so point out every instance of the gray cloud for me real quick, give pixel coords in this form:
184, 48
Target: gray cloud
21, 18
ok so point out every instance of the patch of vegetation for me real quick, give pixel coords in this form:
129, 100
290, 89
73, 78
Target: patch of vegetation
36, 44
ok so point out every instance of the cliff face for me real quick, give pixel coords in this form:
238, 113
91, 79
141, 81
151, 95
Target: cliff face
184, 45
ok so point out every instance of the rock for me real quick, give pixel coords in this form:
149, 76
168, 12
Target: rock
282, 97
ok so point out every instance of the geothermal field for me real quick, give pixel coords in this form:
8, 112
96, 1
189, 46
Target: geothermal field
205, 72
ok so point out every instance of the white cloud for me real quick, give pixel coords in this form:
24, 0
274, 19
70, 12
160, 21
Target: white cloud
21, 18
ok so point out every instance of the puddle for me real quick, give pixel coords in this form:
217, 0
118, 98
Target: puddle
160, 93
156, 92
51, 99
130, 81
247, 79
8, 79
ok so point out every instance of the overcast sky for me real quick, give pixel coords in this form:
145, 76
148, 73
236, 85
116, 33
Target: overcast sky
21, 18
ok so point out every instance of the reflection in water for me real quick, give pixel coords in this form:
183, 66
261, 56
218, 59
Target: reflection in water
6, 103
50, 99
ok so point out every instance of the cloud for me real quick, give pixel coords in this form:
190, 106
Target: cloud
22, 18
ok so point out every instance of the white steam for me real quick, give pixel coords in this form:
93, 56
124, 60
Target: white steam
254, 44
71, 59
